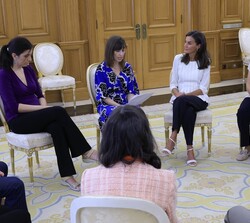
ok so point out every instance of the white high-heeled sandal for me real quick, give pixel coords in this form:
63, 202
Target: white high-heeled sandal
166, 150
193, 162
90, 156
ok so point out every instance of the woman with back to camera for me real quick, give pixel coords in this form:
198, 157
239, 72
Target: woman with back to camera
115, 82
27, 111
189, 84
129, 166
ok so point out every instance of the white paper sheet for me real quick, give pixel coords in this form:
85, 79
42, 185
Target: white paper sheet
139, 99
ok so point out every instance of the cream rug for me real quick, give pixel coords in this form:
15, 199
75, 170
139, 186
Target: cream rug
205, 192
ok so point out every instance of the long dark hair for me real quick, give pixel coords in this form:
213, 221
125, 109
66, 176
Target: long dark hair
17, 45
202, 56
127, 133
113, 44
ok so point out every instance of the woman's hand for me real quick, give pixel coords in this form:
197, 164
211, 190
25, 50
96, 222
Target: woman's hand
43, 101
129, 96
179, 94
109, 101
176, 92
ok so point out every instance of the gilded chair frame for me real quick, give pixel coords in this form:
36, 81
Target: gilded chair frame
90, 77
28, 151
244, 39
202, 124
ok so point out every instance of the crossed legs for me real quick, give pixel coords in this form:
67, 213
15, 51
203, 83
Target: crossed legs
184, 115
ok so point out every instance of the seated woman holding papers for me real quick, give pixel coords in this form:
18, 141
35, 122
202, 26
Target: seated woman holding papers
115, 82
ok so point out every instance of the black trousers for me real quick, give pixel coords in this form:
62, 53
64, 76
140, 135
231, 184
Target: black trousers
67, 138
243, 120
14, 215
15, 207
184, 115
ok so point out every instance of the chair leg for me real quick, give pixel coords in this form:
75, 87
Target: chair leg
44, 93
209, 138
30, 164
37, 158
62, 96
98, 136
2, 199
12, 159
74, 100
243, 78
166, 133
202, 135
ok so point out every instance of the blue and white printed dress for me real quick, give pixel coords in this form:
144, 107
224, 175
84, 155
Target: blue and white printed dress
116, 87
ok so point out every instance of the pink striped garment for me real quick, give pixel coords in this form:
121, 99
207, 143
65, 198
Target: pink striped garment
136, 180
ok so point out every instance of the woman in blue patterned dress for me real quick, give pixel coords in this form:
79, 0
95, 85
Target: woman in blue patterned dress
115, 81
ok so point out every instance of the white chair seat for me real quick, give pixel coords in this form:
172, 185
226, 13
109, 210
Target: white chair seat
108, 209
56, 81
96, 119
203, 117
246, 60
29, 141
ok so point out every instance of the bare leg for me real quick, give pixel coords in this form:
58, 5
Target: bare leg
170, 144
172, 141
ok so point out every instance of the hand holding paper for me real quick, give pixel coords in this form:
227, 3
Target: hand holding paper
139, 99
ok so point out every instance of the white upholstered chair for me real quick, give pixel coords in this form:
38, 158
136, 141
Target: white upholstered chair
203, 119
27, 143
95, 209
244, 40
48, 59
90, 77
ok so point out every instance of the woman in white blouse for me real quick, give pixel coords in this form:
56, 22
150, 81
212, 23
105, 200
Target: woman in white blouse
189, 85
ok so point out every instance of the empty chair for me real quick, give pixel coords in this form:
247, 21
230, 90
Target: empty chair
108, 209
244, 39
48, 59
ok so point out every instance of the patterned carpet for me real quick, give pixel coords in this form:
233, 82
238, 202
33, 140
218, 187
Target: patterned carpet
205, 192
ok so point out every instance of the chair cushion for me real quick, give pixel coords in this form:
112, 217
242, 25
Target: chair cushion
204, 117
96, 119
29, 141
56, 81
246, 60
121, 215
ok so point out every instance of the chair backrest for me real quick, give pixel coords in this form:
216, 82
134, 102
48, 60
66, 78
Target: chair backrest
48, 59
90, 77
108, 209
2, 116
244, 40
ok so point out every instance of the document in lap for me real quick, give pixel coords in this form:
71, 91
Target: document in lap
139, 99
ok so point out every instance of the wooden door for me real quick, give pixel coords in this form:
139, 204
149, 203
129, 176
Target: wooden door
161, 40
152, 30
